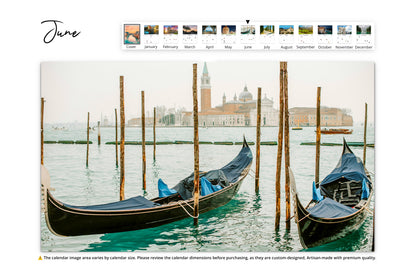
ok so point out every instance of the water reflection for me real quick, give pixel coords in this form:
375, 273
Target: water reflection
155, 169
276, 236
256, 206
287, 241
88, 189
177, 236
116, 180
358, 240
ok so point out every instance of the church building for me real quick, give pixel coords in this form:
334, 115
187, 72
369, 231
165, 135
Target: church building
240, 111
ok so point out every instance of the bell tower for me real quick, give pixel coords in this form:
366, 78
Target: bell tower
205, 90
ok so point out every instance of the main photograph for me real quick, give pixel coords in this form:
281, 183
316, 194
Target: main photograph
207, 156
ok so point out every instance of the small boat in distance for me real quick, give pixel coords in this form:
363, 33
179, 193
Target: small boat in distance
336, 131
338, 207
140, 213
56, 128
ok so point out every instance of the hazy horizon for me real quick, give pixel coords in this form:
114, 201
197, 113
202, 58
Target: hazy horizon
72, 89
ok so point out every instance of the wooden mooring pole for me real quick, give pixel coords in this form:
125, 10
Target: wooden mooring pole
143, 144
154, 133
122, 177
256, 184
42, 104
99, 134
279, 149
115, 116
196, 145
287, 155
88, 137
365, 135
318, 134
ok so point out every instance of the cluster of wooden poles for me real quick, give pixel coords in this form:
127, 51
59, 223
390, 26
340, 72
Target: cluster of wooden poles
283, 131
122, 140
283, 139
121, 144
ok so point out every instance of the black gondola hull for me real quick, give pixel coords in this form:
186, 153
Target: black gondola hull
65, 221
317, 231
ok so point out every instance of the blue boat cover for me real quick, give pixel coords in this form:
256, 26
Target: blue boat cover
364, 191
316, 193
138, 202
234, 168
163, 189
207, 187
223, 177
349, 167
329, 208
186, 187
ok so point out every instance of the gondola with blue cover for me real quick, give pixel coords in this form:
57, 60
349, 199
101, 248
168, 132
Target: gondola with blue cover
218, 187
339, 204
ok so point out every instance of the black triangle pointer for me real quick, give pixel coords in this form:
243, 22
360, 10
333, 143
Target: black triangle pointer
247, 21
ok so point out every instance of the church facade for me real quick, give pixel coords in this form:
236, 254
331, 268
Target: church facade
240, 111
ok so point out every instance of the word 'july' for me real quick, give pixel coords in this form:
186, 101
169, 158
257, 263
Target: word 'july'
52, 33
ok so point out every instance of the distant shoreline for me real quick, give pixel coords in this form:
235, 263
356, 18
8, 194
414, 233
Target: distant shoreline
208, 127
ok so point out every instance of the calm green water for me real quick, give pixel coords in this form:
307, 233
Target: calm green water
244, 224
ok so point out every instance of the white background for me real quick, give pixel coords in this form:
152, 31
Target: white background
22, 50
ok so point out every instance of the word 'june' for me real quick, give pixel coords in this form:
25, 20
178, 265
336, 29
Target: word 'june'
54, 32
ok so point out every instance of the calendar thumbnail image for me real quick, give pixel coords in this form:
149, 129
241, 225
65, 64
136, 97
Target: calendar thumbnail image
305, 30
324, 29
248, 30
286, 30
132, 34
266, 29
170, 29
228, 29
209, 30
344, 30
190, 29
151, 29
363, 29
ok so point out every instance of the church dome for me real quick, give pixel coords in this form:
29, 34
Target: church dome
245, 95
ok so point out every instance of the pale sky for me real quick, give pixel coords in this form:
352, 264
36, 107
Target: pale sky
71, 89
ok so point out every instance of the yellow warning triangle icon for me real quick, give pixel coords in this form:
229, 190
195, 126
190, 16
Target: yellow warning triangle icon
40, 258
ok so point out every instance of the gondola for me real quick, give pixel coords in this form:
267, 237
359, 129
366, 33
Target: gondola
140, 213
340, 204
